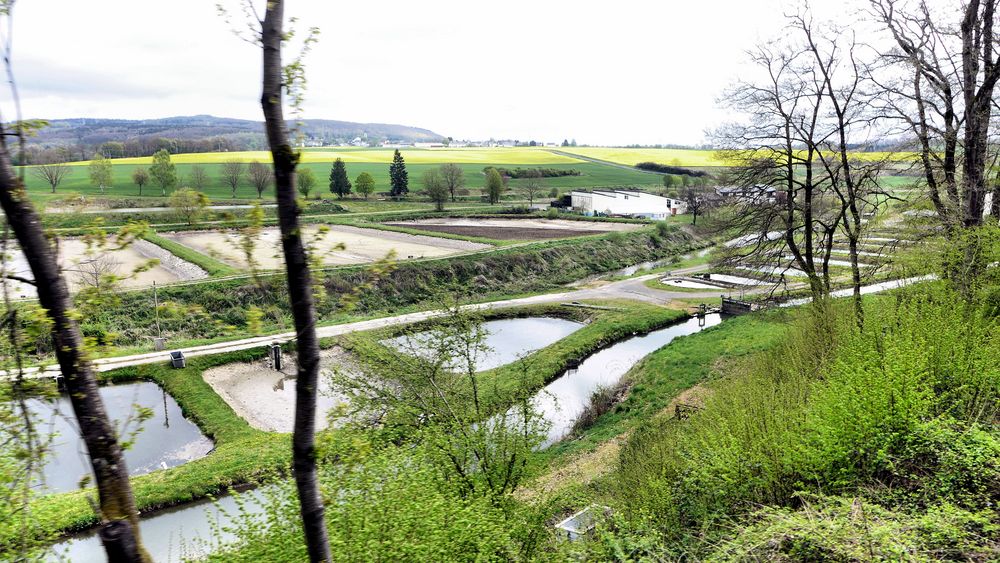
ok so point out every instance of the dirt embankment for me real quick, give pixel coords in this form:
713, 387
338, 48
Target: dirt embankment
515, 229
183, 269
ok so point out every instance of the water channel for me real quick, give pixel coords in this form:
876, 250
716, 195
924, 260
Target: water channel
562, 401
183, 532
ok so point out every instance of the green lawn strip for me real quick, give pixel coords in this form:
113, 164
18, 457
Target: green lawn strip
211, 265
435, 234
241, 455
167, 216
685, 362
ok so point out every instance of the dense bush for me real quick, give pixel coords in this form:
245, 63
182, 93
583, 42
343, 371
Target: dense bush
388, 503
518, 173
668, 169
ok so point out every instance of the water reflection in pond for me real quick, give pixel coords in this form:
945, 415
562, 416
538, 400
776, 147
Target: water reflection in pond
563, 400
507, 339
166, 439
177, 534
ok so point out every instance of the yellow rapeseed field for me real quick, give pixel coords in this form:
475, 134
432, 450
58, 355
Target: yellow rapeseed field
631, 157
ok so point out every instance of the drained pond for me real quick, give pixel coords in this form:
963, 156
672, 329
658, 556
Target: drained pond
165, 439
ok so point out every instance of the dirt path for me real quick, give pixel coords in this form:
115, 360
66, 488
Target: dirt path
604, 162
632, 289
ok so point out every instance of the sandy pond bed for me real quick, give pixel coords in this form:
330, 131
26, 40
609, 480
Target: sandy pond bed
361, 245
74, 261
265, 398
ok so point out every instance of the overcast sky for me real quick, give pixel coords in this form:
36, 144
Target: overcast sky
597, 71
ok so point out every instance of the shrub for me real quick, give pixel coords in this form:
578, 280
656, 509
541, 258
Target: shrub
668, 169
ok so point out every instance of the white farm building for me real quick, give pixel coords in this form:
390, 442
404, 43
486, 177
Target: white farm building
626, 203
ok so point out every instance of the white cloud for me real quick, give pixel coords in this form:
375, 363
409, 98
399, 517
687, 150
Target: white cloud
624, 72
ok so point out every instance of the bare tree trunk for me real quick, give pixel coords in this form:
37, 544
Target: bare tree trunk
117, 503
299, 289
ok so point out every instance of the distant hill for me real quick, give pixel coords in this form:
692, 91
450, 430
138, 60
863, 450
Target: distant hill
95, 132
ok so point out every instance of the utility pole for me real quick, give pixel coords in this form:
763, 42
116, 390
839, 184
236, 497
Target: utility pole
156, 311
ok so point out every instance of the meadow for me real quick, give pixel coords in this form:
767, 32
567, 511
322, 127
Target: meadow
473, 155
78, 180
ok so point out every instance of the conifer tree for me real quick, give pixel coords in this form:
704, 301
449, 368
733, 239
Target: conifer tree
398, 177
340, 184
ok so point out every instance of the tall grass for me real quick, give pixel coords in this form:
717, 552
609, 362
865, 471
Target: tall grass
902, 412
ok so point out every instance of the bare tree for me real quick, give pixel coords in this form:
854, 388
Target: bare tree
847, 84
261, 177
776, 185
277, 79
96, 271
532, 185
198, 177
453, 178
232, 174
118, 513
942, 94
698, 202
52, 174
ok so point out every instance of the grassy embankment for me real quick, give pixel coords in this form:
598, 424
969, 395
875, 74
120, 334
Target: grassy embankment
624, 319
833, 443
202, 312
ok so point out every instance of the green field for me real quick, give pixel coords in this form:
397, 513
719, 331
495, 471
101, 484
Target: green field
78, 181
476, 155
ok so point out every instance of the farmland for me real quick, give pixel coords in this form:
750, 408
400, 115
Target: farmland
497, 156
374, 162
631, 157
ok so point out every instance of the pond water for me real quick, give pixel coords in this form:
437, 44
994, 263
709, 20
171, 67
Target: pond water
738, 280
687, 284
166, 439
507, 339
562, 401
867, 289
175, 534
